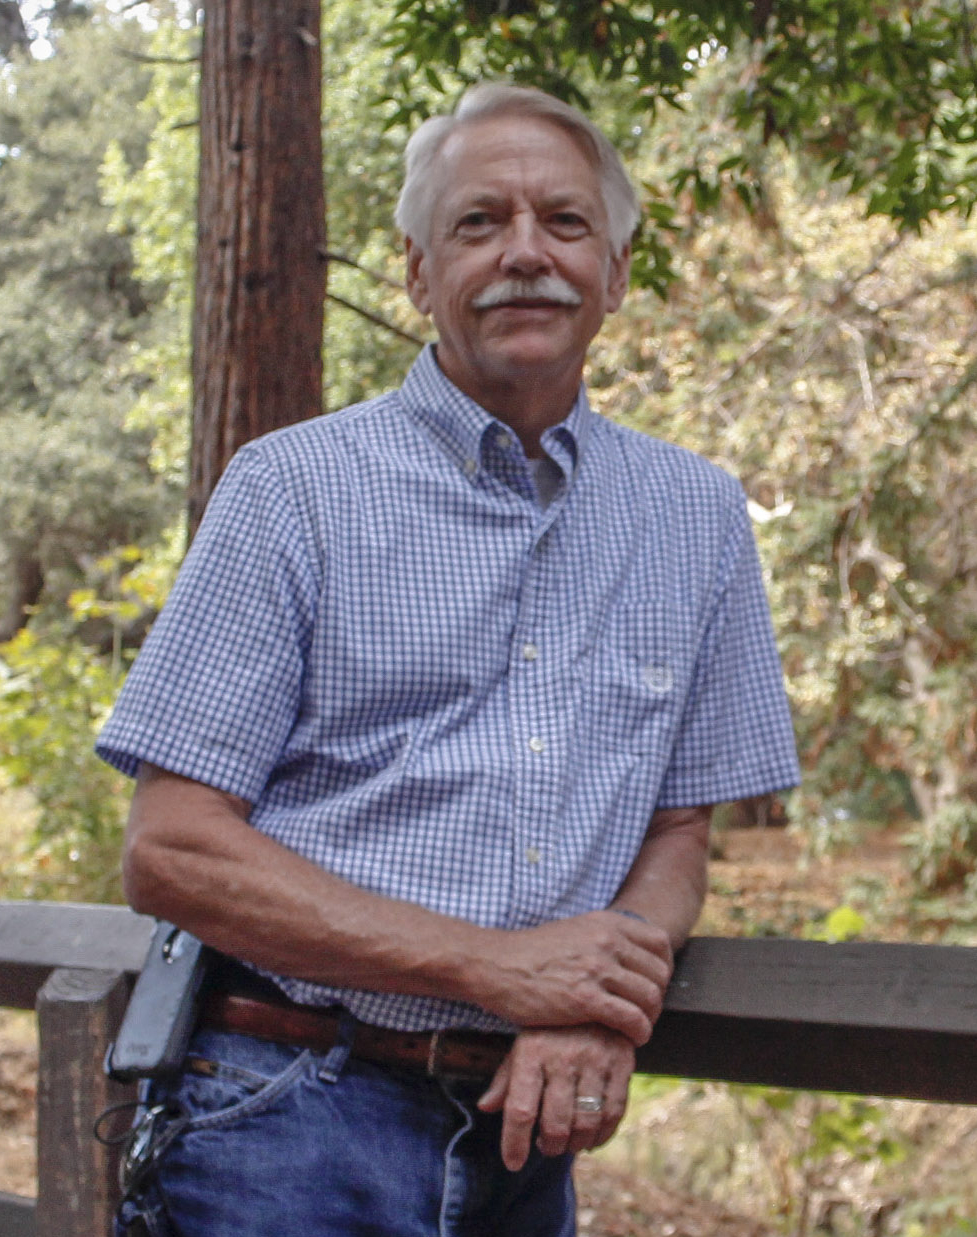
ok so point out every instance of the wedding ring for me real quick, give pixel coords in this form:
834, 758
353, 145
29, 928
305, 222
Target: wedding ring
589, 1103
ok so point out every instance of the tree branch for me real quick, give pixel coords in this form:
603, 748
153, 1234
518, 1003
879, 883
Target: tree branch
376, 319
143, 58
331, 256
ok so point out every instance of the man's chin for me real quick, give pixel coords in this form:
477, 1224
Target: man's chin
526, 357
513, 361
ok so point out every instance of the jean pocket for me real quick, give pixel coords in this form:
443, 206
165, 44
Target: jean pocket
228, 1078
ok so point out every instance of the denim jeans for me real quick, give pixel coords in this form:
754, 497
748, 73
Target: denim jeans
277, 1141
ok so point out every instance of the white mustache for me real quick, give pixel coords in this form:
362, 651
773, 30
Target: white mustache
544, 288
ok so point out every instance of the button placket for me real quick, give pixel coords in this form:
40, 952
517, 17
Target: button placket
538, 763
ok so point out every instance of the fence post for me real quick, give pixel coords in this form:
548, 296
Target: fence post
78, 1013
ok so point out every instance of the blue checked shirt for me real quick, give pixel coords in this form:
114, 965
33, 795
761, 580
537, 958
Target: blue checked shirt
435, 687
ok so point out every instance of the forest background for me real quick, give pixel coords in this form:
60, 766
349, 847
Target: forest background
804, 316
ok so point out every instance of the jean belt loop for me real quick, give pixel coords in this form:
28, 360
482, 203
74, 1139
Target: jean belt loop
432, 1054
338, 1054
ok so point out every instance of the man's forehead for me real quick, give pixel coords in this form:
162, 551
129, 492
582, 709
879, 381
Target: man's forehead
511, 131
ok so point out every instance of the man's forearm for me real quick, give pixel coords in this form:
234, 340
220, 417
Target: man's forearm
668, 880
193, 858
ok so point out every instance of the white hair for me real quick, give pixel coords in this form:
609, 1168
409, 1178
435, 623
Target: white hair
421, 182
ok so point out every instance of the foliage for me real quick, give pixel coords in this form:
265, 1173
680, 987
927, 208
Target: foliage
55, 694
824, 357
804, 1164
843, 923
362, 154
882, 97
57, 686
828, 361
153, 201
73, 481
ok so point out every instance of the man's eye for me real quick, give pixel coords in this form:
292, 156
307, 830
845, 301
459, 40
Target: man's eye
475, 221
569, 223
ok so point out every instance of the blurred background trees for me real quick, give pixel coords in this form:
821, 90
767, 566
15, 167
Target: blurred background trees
805, 317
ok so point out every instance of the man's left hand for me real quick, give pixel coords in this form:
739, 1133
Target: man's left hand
539, 1084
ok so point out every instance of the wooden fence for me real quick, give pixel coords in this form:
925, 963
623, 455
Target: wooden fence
874, 1019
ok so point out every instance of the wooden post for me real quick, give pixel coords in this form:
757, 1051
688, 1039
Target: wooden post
78, 1014
17, 1215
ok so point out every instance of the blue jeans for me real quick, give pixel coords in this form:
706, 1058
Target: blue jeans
277, 1141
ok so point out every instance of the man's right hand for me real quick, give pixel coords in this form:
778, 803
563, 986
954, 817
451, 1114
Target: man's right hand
601, 967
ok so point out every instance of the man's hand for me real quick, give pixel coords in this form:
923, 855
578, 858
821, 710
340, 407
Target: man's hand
601, 967
539, 1082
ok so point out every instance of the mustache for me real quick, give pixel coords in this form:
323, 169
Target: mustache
543, 288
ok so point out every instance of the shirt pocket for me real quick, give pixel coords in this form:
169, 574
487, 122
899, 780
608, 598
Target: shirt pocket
636, 679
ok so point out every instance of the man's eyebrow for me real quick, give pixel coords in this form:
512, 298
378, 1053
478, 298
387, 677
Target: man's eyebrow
557, 201
560, 200
472, 201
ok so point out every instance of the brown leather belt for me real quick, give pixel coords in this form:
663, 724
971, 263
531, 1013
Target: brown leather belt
476, 1054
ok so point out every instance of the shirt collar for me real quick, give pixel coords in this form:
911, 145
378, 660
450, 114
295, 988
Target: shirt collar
460, 425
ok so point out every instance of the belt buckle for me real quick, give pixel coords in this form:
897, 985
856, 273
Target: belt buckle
432, 1054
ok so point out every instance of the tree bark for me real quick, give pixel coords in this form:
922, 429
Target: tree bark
25, 584
260, 287
13, 32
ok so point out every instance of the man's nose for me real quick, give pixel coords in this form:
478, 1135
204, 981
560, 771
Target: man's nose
525, 251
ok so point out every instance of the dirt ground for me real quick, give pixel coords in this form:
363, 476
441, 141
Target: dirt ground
18, 1094
759, 877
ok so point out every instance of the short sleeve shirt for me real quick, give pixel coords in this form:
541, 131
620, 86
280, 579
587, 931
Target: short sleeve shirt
444, 691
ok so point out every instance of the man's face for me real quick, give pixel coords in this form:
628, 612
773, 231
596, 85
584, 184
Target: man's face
518, 272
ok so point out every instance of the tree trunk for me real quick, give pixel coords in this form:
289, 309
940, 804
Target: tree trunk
258, 316
13, 32
25, 583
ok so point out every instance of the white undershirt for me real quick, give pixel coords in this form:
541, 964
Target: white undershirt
547, 475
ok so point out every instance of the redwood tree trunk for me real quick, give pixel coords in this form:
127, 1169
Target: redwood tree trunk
258, 314
13, 32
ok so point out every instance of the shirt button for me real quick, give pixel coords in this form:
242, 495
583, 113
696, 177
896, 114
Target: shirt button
471, 467
503, 440
530, 652
536, 744
532, 854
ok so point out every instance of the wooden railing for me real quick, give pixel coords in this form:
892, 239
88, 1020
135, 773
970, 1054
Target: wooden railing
74, 964
869, 1018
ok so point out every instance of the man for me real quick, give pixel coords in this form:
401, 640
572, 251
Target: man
428, 734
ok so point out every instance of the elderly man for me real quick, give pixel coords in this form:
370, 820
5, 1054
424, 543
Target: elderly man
428, 734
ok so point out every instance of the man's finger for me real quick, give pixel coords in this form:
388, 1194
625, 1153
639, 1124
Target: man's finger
557, 1113
618, 1014
494, 1097
519, 1113
588, 1121
652, 965
616, 1085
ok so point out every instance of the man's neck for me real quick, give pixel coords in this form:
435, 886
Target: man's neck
529, 404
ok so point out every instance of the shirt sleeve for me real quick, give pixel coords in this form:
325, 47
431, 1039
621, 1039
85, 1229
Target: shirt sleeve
216, 688
735, 738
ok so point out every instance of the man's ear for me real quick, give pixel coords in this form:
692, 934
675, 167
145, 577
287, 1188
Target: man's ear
417, 277
618, 278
